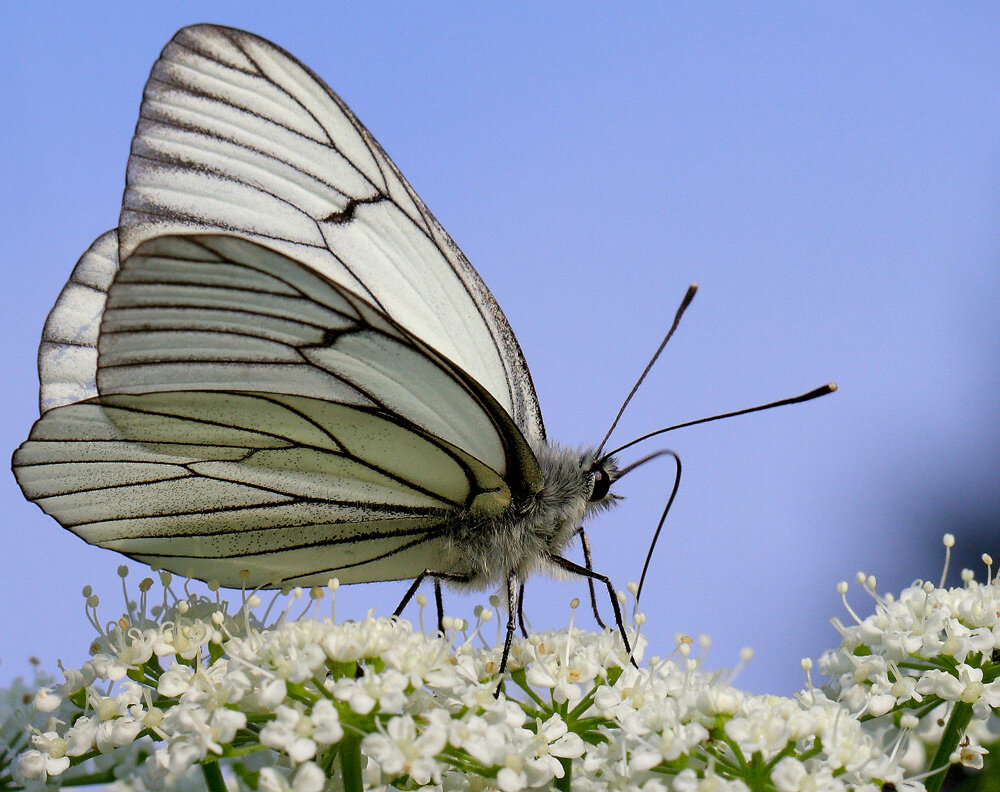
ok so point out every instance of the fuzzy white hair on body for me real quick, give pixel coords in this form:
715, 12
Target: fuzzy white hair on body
521, 540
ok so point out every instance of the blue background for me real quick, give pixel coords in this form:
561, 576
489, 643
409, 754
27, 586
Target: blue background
827, 172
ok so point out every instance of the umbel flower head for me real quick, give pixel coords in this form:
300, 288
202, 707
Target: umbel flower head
927, 660
304, 703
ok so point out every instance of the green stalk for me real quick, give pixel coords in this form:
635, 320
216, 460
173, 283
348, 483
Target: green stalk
213, 777
350, 762
101, 777
566, 782
961, 714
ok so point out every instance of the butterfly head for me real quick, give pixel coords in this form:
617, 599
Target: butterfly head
601, 483
602, 473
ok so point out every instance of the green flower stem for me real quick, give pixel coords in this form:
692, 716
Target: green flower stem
582, 706
213, 777
565, 783
735, 763
244, 750
520, 678
957, 724
88, 779
320, 684
461, 761
350, 762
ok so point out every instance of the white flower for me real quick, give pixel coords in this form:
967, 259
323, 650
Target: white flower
105, 666
175, 681
688, 781
555, 738
564, 664
46, 701
989, 701
134, 647
75, 681
117, 732
386, 689
35, 765
224, 723
788, 774
971, 755
186, 639
326, 728
308, 777
401, 749
432, 718
271, 693
718, 700
940, 684
760, 725
511, 780
51, 743
193, 733
880, 704
273, 780
904, 688
486, 739
81, 736
290, 732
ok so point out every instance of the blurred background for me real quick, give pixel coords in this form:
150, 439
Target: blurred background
828, 173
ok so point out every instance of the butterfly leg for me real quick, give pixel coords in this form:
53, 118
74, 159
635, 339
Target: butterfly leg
437, 577
588, 561
439, 602
582, 571
520, 611
512, 608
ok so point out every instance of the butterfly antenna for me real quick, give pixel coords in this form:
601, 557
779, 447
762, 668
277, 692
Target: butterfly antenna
823, 390
666, 509
692, 289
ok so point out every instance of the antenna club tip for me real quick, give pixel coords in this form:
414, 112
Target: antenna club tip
831, 386
688, 297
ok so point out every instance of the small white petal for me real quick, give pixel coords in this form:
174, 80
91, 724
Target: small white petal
272, 693
308, 778
46, 701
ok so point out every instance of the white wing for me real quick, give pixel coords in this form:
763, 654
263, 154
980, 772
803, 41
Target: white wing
236, 135
67, 356
254, 415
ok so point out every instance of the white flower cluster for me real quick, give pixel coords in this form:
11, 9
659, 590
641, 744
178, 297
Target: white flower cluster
929, 658
306, 705
17, 719
31, 714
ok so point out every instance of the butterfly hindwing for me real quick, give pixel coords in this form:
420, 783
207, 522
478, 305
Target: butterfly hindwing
211, 312
254, 415
67, 355
172, 479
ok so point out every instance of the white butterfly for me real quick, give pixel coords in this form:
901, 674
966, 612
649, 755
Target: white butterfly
280, 369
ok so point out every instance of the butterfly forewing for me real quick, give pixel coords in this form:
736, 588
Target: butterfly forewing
235, 135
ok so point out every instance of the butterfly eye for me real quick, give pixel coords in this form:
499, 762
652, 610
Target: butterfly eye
602, 484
